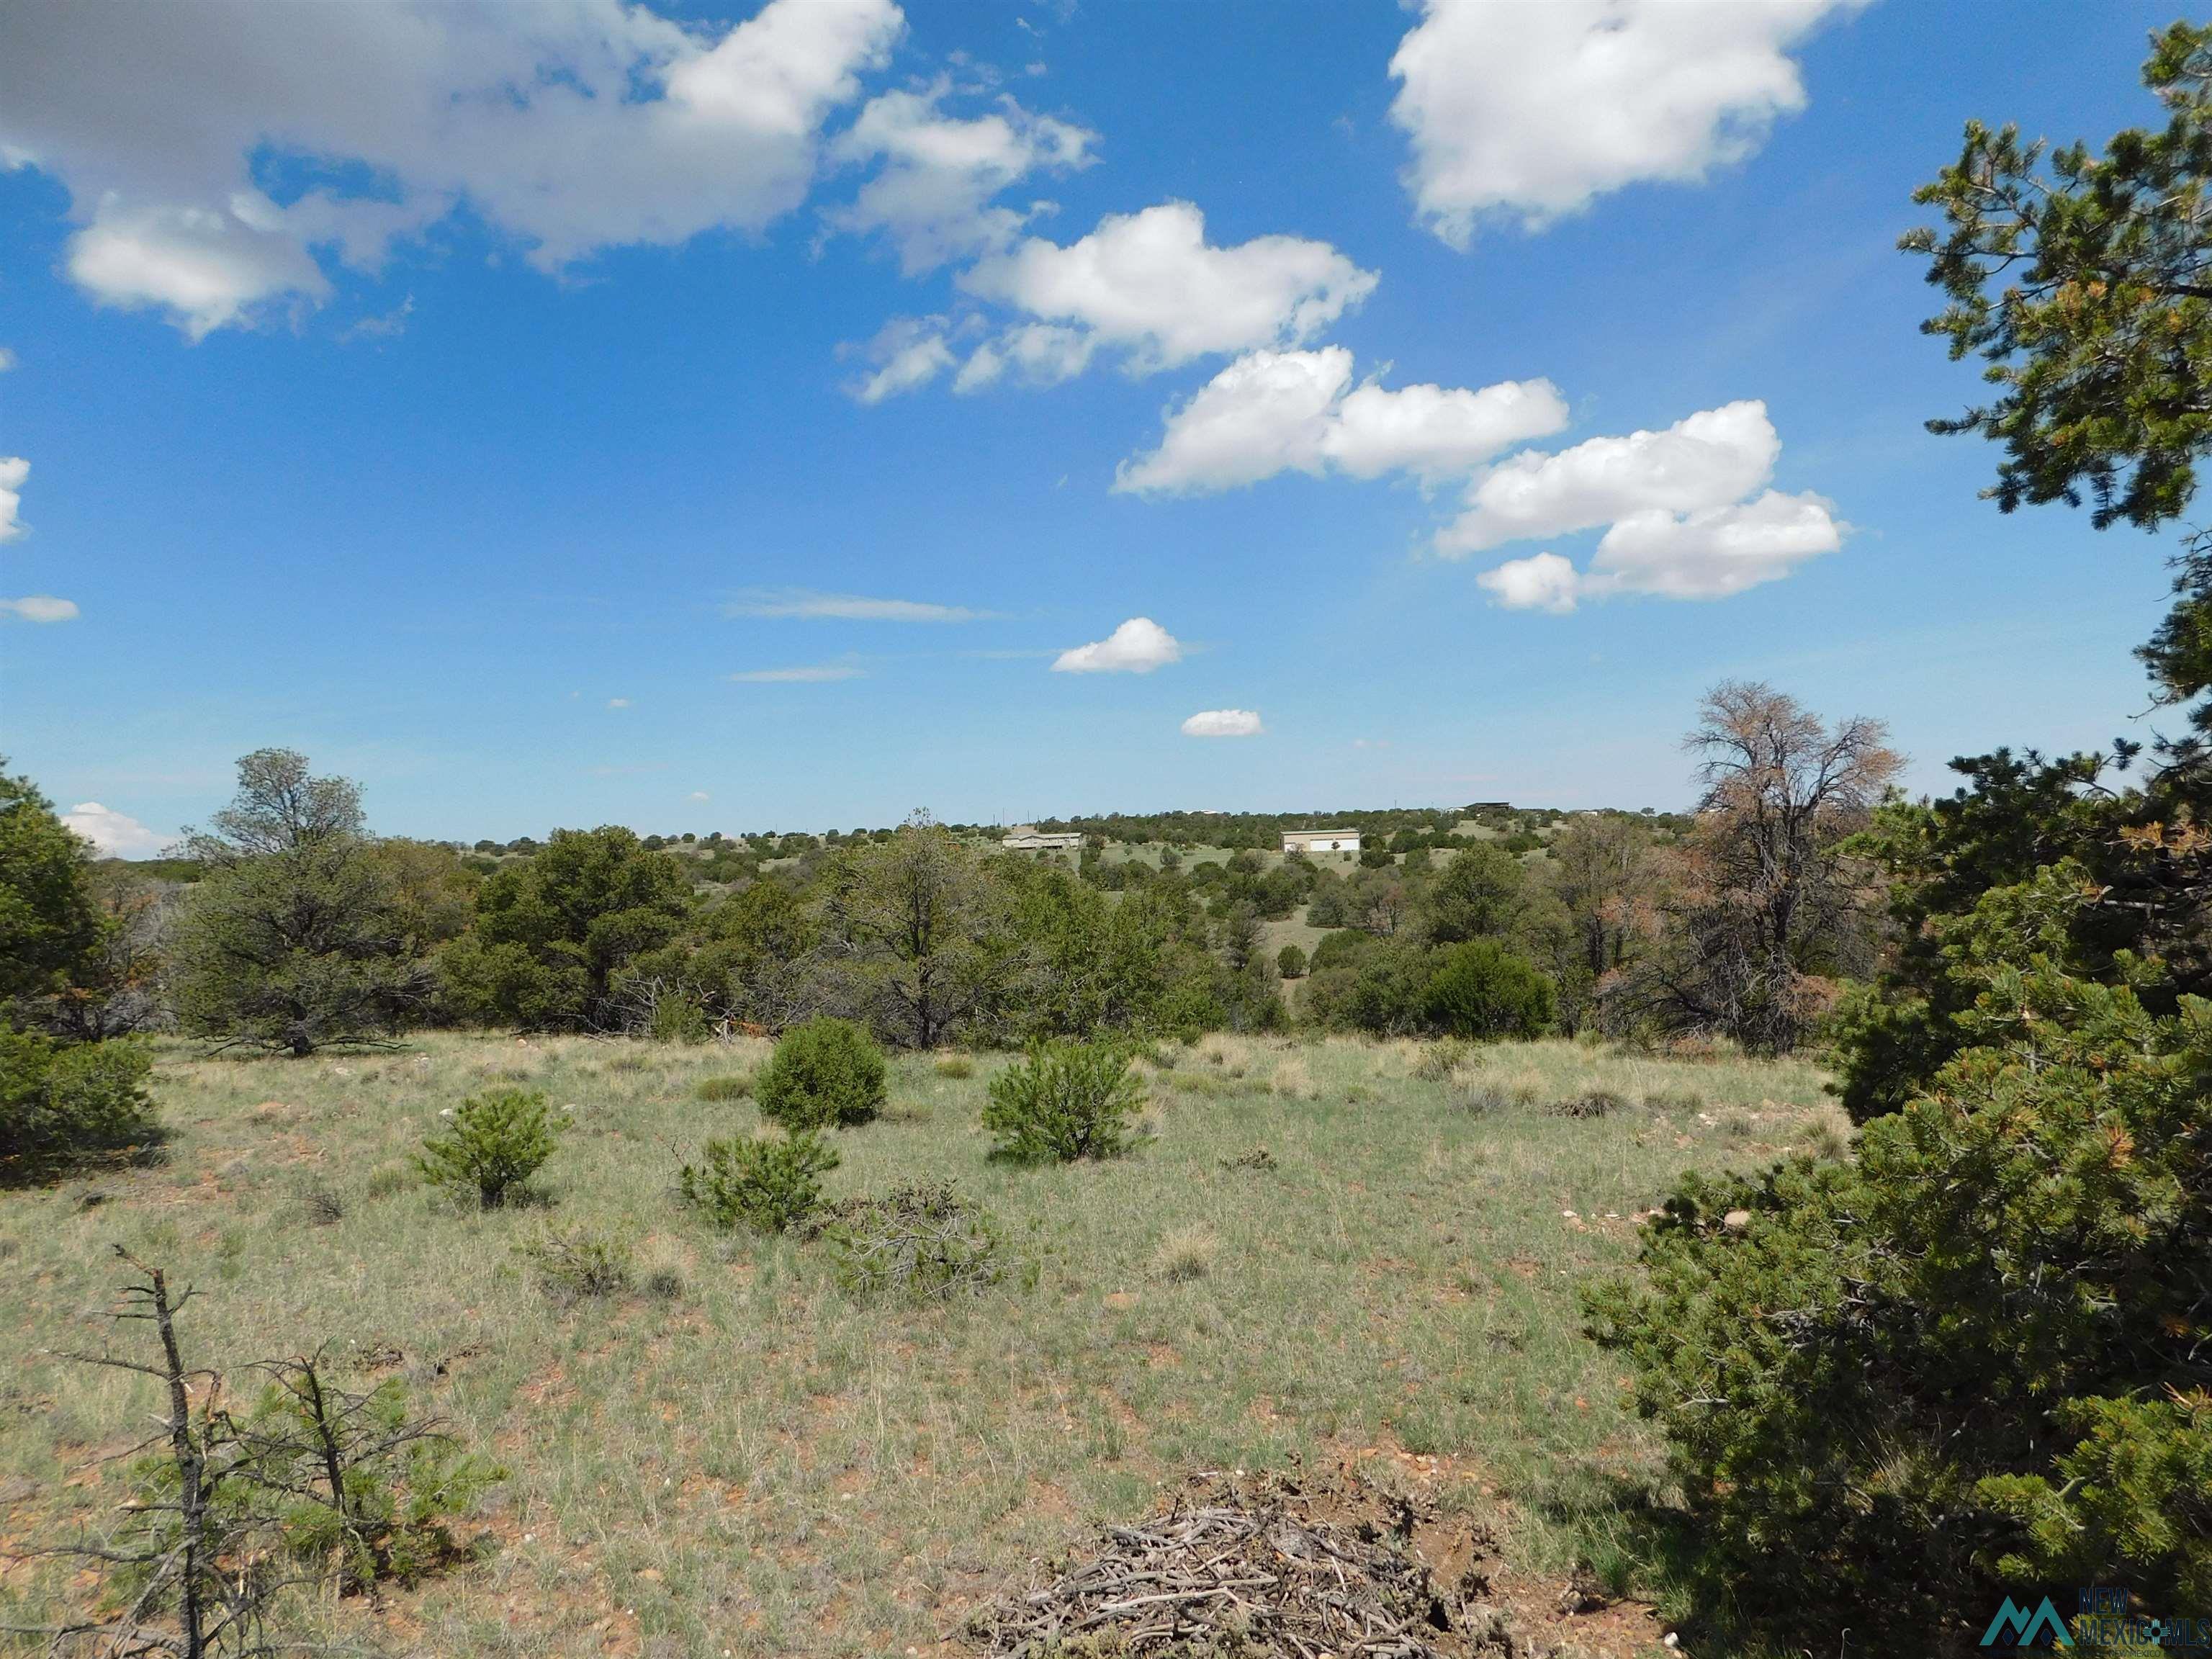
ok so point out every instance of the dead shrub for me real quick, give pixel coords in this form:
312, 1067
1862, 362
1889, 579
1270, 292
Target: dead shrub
1598, 1102
926, 1242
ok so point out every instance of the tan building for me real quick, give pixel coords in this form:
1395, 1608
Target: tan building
1321, 840
1028, 838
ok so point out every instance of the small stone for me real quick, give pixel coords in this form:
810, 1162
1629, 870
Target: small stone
1737, 1221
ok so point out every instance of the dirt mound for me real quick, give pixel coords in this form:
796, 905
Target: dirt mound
1253, 1568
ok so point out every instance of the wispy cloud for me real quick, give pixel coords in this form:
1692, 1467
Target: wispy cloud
808, 605
617, 703
809, 676
39, 608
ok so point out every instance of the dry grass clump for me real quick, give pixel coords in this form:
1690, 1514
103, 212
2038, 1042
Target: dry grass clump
725, 1086
1185, 1255
1441, 1058
1478, 1100
955, 1066
1204, 1084
1259, 1159
1293, 1080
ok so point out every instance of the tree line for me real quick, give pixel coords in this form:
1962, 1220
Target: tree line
301, 929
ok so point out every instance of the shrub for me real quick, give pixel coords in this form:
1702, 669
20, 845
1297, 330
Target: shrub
1379, 987
495, 1143
677, 1016
955, 1066
578, 1264
1481, 990
1969, 1364
924, 1241
58, 1104
825, 1074
1065, 1101
768, 1184
1291, 961
723, 1088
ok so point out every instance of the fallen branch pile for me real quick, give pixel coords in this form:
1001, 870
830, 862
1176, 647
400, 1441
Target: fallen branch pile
1232, 1573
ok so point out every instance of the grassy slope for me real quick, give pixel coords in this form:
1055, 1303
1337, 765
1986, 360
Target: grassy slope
763, 1466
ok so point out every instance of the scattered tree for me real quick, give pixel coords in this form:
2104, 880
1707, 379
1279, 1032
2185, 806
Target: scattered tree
294, 939
1768, 909
915, 926
50, 923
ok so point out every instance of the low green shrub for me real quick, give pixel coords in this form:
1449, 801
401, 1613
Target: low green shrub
1291, 961
955, 1065
357, 1483
678, 1018
765, 1183
738, 1087
495, 1143
1064, 1101
825, 1074
927, 1242
61, 1103
1482, 991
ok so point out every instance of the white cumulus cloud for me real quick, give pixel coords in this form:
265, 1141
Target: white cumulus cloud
567, 127
39, 608
116, 833
1224, 723
1708, 555
1277, 411
1149, 285
1721, 550
14, 471
1542, 582
1707, 459
1526, 113
1136, 646
934, 195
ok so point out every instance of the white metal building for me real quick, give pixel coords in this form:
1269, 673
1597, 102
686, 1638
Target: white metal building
1028, 838
1321, 840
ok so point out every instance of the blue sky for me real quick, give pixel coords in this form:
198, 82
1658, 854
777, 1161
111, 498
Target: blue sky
531, 411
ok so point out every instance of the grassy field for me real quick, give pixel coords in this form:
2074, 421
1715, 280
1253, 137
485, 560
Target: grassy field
753, 1462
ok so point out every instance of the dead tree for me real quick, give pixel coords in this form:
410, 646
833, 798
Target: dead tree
192, 1558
